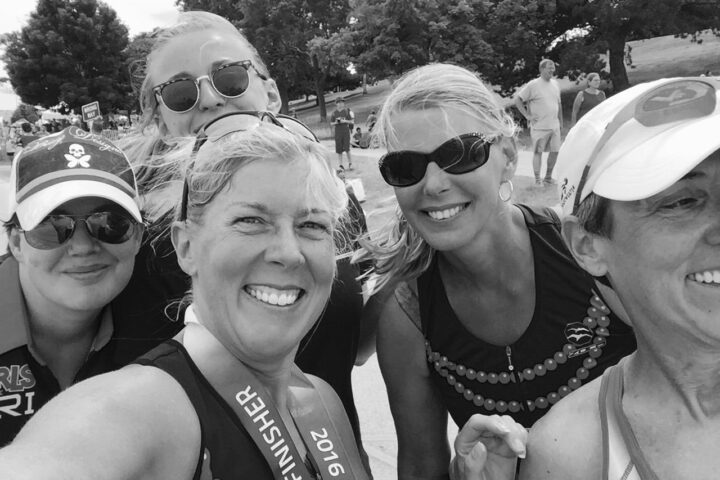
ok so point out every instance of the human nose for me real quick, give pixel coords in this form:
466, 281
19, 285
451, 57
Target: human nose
284, 248
209, 97
436, 180
81, 242
713, 231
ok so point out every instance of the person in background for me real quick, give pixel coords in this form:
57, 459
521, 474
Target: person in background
371, 120
342, 119
539, 102
254, 230
27, 135
357, 136
74, 228
588, 98
641, 192
199, 69
492, 314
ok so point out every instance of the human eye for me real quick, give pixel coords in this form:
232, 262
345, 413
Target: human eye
249, 223
315, 228
684, 202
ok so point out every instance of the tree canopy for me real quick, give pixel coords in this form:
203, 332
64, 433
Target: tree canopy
69, 51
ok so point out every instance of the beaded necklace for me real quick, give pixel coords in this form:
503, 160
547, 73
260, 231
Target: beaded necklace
597, 321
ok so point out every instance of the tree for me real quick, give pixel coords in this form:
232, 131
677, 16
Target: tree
135, 62
70, 50
611, 23
25, 111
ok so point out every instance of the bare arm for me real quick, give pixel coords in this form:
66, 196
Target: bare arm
136, 423
520, 105
419, 415
372, 310
576, 108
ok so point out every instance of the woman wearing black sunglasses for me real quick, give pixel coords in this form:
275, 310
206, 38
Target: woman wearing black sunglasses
223, 399
198, 70
501, 319
74, 231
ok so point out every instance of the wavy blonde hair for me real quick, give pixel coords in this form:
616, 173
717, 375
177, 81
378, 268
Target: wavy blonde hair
398, 251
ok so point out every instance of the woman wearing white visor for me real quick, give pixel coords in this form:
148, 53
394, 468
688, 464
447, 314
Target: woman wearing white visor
640, 187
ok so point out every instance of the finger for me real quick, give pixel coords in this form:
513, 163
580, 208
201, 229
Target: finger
503, 428
472, 465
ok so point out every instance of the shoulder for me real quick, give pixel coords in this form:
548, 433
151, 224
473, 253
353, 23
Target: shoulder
567, 442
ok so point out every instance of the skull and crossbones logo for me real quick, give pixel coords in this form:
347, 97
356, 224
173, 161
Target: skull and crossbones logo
77, 156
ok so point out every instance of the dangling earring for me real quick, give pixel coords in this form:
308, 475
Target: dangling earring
509, 190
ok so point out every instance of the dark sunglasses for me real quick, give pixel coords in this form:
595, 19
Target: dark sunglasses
182, 94
241, 121
461, 154
108, 227
676, 100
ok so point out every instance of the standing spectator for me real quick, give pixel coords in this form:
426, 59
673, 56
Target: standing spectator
588, 98
27, 135
539, 102
371, 121
343, 119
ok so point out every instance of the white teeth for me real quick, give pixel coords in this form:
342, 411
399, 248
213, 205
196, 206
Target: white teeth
708, 276
274, 296
443, 214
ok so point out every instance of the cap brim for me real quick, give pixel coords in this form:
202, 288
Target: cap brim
655, 165
32, 210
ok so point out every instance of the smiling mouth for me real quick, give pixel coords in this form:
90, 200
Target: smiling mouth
708, 276
274, 296
448, 213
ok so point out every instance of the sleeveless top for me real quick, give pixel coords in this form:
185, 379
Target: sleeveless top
590, 101
226, 450
622, 457
571, 339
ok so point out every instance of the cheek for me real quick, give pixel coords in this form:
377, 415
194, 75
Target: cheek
176, 124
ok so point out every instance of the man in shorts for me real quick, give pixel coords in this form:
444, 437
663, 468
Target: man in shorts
539, 102
342, 118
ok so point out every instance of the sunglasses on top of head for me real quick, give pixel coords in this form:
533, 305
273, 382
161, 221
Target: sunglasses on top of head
113, 228
241, 121
230, 80
461, 154
673, 101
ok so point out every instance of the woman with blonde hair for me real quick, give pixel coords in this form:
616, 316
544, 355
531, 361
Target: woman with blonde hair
492, 314
254, 229
199, 69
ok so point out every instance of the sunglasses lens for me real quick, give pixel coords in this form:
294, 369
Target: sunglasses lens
402, 169
231, 81
110, 227
50, 233
180, 96
462, 155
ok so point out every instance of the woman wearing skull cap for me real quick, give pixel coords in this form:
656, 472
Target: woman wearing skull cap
74, 229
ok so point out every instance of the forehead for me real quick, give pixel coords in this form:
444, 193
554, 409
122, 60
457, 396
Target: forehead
196, 52
425, 130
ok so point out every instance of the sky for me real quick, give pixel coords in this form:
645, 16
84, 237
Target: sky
138, 15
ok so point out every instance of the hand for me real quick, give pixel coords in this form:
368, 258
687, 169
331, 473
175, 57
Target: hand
487, 448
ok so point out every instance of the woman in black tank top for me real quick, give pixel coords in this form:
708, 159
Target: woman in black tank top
501, 318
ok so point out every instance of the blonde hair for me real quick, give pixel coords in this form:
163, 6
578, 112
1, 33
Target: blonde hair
212, 168
398, 251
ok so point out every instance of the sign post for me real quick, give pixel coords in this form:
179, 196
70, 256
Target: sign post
91, 111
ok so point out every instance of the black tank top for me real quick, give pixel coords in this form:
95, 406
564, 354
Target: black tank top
572, 338
227, 451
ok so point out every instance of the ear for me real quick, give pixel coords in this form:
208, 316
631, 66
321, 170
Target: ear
274, 102
510, 153
14, 242
588, 249
182, 241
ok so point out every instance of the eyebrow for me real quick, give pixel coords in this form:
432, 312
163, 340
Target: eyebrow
264, 209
